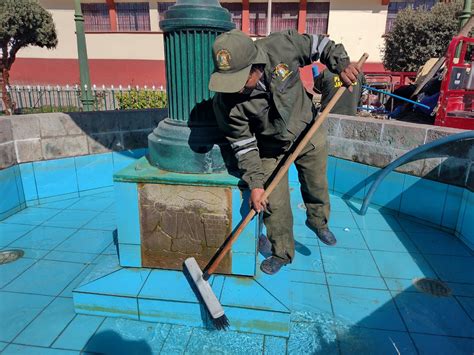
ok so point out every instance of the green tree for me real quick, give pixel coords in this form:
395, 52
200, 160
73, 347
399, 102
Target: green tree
22, 23
420, 34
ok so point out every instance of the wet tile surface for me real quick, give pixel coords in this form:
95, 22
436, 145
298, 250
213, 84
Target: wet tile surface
354, 298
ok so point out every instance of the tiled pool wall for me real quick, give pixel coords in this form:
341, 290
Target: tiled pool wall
52, 156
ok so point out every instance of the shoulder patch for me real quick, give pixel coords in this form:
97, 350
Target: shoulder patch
283, 71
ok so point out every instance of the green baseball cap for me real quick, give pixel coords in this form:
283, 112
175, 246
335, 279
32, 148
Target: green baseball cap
234, 53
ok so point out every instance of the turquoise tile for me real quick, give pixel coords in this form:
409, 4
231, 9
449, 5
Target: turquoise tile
247, 242
258, 322
215, 342
421, 313
49, 324
82, 258
309, 298
356, 281
130, 255
371, 341
293, 174
11, 232
342, 220
94, 171
28, 181
19, 184
56, 198
105, 305
388, 241
3, 345
11, 212
17, 310
389, 192
32, 203
128, 220
77, 333
46, 238
348, 238
338, 204
402, 265
243, 264
183, 313
126, 282
331, 172
274, 345
453, 268
87, 241
36, 350
467, 226
416, 225
452, 206
59, 205
106, 191
439, 243
308, 277
55, 177
423, 199
441, 345
9, 190
246, 293
10, 271
124, 158
277, 285
168, 285
70, 219
304, 235
67, 292
32, 216
462, 210
468, 304
125, 336
384, 222
459, 289
366, 308
58, 274
92, 203
317, 335
350, 179
348, 261
177, 339
310, 260
400, 285
104, 221
34, 253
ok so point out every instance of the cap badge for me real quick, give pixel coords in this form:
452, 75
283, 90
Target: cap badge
223, 59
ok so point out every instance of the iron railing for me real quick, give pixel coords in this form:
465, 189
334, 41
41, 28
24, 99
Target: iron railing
34, 99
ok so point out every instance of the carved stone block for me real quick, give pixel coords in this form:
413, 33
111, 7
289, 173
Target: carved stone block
179, 221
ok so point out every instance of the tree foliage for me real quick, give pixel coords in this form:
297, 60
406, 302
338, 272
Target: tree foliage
420, 34
22, 23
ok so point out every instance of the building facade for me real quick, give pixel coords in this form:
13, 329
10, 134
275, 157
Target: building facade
125, 42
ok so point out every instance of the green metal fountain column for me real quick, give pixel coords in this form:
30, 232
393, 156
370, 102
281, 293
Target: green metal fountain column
189, 141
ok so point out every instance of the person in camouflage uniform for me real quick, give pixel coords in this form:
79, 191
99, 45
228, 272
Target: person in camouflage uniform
262, 108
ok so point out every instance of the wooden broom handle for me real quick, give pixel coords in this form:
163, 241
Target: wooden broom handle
281, 173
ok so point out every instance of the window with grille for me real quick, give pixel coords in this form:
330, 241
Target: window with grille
235, 10
258, 19
96, 17
284, 16
133, 17
395, 6
317, 15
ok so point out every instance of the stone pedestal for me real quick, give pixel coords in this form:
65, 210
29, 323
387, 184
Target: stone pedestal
165, 217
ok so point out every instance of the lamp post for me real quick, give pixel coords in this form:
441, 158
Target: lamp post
86, 93
188, 141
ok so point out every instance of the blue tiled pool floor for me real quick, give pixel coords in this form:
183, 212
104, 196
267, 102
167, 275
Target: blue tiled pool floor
354, 298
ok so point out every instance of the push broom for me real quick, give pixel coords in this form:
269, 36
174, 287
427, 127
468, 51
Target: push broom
199, 278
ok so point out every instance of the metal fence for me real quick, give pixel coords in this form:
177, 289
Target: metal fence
33, 99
